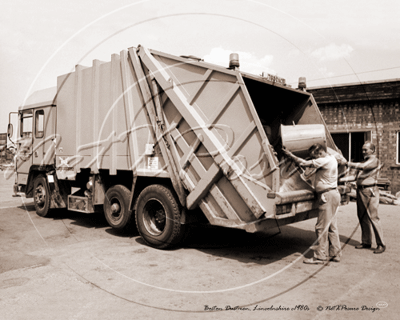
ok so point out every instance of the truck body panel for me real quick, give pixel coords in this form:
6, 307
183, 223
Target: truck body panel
108, 127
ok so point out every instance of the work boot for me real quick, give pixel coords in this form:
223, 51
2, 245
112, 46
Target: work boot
335, 259
313, 261
380, 249
363, 246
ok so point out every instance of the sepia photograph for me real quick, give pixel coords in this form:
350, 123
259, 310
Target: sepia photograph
199, 159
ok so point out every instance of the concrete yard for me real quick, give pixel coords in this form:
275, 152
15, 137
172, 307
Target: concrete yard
74, 266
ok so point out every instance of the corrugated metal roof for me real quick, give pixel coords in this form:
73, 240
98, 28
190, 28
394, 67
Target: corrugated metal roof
40, 98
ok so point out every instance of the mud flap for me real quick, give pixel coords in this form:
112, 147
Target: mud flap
56, 200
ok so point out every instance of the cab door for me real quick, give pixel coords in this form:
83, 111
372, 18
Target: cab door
24, 145
38, 137
43, 136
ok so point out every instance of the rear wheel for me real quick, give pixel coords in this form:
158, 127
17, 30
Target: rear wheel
158, 217
116, 207
41, 196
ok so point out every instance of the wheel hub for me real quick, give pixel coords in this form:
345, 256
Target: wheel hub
115, 209
160, 216
154, 217
40, 195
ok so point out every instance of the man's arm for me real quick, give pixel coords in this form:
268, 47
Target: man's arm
370, 164
340, 159
297, 160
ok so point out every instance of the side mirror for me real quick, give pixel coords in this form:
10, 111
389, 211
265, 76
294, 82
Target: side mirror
10, 130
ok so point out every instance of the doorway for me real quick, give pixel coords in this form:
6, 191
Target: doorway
351, 144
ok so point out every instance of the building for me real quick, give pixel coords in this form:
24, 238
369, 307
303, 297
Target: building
365, 111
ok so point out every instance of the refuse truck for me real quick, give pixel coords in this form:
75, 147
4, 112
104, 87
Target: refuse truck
165, 141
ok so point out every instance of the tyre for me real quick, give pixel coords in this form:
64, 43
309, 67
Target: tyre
41, 196
158, 216
116, 207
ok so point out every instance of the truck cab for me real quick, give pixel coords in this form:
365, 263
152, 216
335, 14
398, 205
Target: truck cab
35, 139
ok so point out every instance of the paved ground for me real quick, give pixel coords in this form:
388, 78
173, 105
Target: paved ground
73, 266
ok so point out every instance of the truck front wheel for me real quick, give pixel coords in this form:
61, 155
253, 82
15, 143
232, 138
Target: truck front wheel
158, 217
116, 207
41, 196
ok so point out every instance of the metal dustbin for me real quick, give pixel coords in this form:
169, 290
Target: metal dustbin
299, 138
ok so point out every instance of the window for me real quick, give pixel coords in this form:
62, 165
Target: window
39, 124
26, 124
351, 144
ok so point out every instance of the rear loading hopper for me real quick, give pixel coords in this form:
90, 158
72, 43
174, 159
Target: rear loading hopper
223, 127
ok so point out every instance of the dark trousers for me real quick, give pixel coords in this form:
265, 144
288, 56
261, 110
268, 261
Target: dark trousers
367, 211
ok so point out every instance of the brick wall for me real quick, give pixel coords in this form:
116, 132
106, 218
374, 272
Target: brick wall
371, 107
